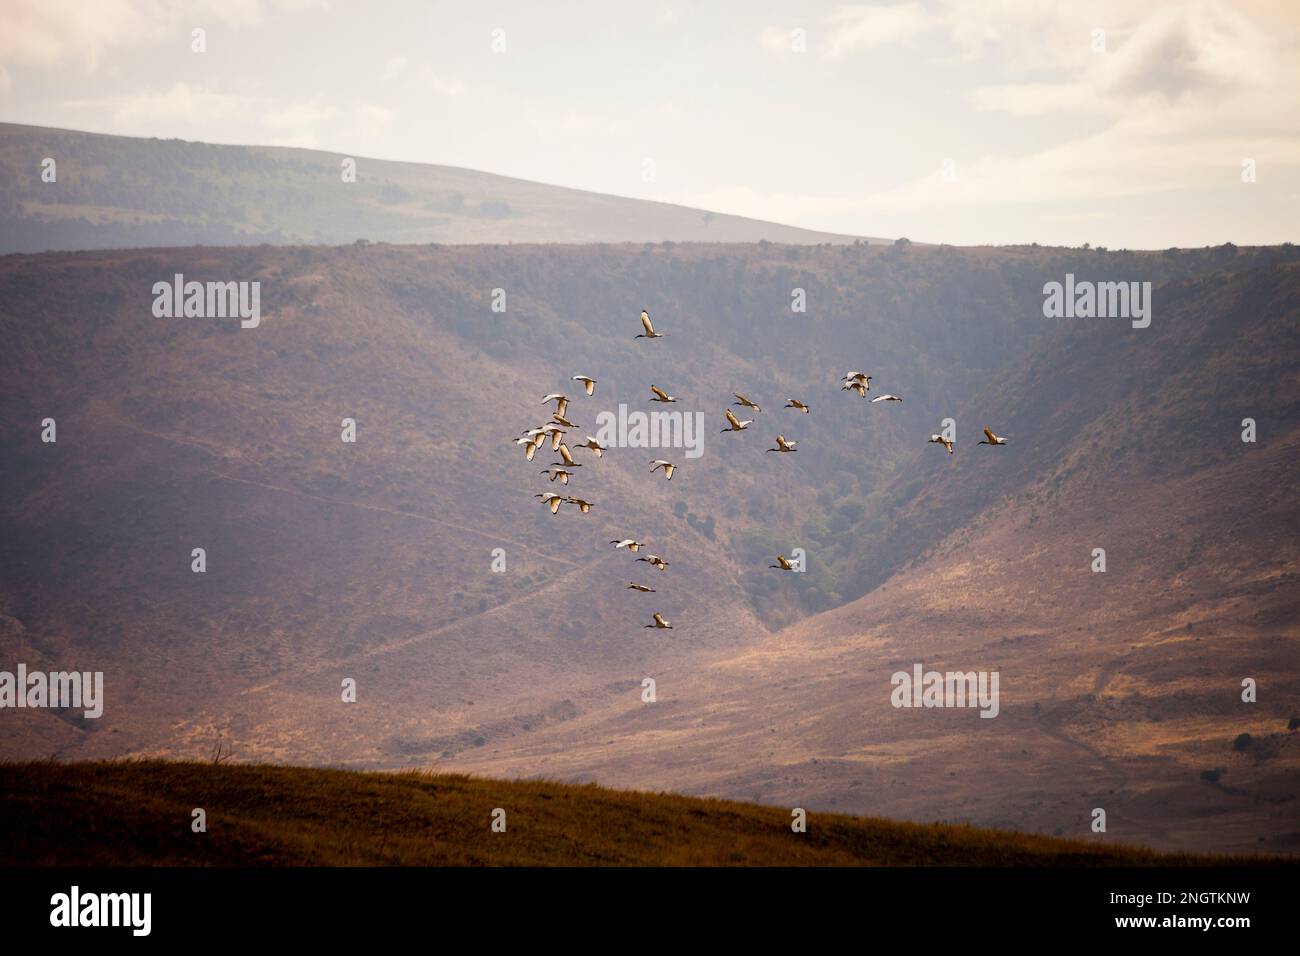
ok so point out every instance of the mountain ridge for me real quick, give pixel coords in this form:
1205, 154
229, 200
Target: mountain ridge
117, 191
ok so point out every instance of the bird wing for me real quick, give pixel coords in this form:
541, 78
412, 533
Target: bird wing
988, 434
659, 391
645, 321
731, 418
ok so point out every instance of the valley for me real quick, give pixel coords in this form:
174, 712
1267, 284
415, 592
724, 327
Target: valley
373, 561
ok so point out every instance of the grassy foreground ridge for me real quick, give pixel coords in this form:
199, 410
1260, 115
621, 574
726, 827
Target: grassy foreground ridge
131, 813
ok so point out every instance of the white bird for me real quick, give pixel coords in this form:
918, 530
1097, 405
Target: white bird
556, 434
588, 383
940, 440
667, 466
782, 563
554, 472
783, 445
735, 425
530, 447
661, 395
630, 543
862, 377
639, 587
567, 455
886, 398
655, 560
660, 623
650, 332
583, 506
551, 500
859, 387
560, 420
992, 438
795, 403
594, 445
744, 402
561, 402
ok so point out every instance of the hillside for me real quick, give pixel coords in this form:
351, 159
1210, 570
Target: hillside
121, 192
373, 561
140, 813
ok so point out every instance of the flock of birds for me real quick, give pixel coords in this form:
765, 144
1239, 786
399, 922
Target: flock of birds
559, 426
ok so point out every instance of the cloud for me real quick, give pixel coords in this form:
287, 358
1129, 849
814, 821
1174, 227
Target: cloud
854, 28
49, 33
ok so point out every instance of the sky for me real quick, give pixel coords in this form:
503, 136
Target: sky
1125, 124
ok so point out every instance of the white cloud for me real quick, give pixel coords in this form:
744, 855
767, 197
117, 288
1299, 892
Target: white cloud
862, 27
48, 33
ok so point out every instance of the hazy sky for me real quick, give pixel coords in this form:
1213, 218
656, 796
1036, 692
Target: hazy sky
971, 121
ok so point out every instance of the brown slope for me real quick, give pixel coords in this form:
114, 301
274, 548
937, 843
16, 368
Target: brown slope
375, 565
1119, 689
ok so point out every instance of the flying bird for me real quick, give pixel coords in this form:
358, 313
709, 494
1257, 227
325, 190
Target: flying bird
552, 501
795, 403
583, 506
560, 420
859, 387
556, 434
567, 455
530, 447
992, 438
660, 623
661, 395
629, 543
744, 402
554, 472
886, 398
588, 383
650, 332
940, 440
783, 445
735, 425
594, 445
667, 466
862, 377
655, 560
782, 564
561, 402
639, 587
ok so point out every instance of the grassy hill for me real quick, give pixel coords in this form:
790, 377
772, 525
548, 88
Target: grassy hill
139, 814
373, 561
119, 191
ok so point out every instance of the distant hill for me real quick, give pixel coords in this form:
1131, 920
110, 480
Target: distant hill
374, 560
139, 814
124, 192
